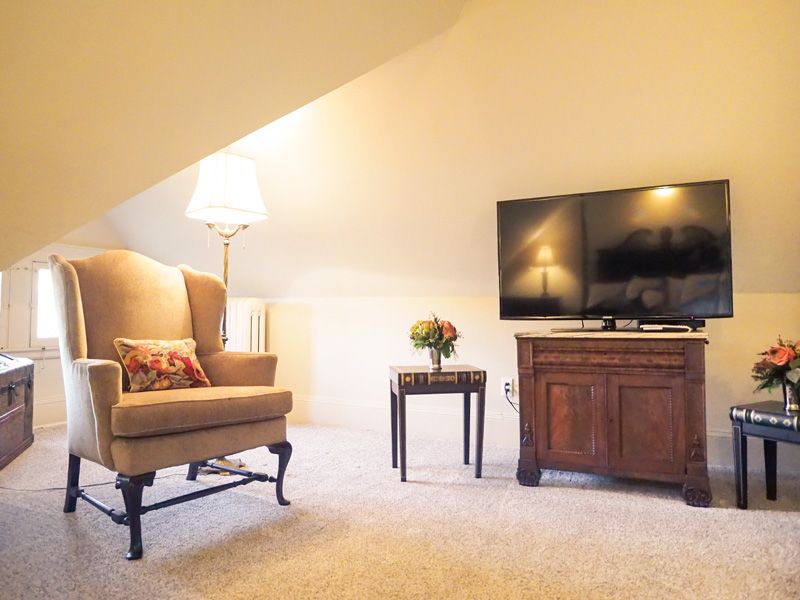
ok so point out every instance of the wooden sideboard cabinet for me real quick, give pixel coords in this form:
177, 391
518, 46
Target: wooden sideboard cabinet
627, 404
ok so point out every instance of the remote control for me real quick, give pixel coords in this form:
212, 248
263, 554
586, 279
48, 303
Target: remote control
654, 327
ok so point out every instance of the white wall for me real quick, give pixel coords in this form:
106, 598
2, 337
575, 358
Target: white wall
335, 355
382, 194
98, 233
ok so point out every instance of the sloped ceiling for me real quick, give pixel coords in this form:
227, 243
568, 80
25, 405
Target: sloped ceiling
101, 100
388, 185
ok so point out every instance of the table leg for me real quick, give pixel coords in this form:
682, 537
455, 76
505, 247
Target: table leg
481, 412
740, 465
771, 467
394, 427
466, 426
401, 399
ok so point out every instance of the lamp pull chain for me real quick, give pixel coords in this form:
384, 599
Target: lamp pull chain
244, 240
208, 238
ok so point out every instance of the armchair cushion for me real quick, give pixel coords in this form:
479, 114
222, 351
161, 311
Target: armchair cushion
161, 364
142, 454
174, 411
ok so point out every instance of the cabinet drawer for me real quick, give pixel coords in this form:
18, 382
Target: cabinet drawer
560, 353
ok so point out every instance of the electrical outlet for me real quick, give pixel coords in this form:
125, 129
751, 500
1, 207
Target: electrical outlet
507, 387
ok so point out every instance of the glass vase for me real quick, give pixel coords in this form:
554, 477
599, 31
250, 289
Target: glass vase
436, 359
791, 402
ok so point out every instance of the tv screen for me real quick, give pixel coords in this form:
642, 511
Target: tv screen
655, 253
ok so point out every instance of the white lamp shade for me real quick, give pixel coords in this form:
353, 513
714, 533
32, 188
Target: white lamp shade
545, 256
227, 191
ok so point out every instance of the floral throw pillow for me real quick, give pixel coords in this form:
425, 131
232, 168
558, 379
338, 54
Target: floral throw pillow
161, 364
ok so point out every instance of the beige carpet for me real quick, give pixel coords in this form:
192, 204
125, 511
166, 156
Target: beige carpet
354, 531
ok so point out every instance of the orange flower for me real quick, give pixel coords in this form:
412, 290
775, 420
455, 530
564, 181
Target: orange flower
780, 355
448, 330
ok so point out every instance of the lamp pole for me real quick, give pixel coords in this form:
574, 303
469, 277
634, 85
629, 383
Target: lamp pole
544, 258
226, 234
544, 281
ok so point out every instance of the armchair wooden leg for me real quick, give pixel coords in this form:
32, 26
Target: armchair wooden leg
284, 452
131, 488
193, 469
73, 477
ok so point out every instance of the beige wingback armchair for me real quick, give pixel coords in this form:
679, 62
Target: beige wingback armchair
122, 294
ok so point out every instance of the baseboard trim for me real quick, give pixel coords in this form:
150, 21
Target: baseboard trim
501, 428
440, 423
411, 407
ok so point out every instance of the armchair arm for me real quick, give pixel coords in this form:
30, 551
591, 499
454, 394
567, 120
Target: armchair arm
94, 386
239, 368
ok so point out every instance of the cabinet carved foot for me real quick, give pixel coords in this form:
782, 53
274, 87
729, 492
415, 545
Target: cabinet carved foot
529, 477
697, 495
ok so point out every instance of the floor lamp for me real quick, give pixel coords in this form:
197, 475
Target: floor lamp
227, 198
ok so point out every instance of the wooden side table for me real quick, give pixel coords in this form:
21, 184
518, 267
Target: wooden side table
452, 379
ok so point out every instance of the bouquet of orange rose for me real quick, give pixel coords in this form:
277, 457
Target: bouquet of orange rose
779, 366
435, 333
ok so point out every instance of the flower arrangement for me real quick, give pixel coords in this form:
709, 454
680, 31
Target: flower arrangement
436, 334
779, 366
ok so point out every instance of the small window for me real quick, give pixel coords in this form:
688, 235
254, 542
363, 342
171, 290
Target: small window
44, 326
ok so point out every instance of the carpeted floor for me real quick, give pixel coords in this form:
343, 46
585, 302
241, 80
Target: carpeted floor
354, 531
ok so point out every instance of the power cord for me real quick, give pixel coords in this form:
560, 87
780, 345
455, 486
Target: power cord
506, 392
88, 485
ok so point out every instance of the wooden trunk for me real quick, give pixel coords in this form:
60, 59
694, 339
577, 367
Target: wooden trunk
625, 404
16, 407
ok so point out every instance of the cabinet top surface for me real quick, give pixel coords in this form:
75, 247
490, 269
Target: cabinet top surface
624, 335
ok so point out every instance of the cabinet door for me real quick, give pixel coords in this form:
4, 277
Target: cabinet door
570, 419
646, 416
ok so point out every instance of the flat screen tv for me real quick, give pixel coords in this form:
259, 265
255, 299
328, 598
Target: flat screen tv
655, 254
